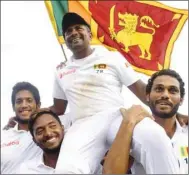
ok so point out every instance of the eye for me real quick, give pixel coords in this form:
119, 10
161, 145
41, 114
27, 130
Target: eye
79, 28
173, 90
18, 101
30, 100
159, 89
39, 132
68, 31
52, 126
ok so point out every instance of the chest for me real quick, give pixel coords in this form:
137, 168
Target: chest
93, 75
17, 147
180, 146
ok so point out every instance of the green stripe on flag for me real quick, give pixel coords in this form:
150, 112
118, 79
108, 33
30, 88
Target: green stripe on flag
59, 9
182, 151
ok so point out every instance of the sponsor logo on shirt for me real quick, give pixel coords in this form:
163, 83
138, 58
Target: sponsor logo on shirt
61, 75
16, 142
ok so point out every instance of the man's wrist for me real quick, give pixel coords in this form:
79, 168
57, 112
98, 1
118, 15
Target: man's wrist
129, 124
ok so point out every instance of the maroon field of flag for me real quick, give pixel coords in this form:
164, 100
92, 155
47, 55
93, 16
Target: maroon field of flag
143, 31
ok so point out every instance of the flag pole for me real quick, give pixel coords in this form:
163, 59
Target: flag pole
64, 53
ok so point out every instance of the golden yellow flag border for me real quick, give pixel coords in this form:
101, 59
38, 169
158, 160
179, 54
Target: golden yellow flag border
174, 37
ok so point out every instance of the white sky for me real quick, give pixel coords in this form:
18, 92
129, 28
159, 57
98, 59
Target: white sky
30, 52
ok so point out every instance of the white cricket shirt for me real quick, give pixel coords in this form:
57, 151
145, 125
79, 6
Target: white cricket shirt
37, 166
180, 145
17, 146
93, 84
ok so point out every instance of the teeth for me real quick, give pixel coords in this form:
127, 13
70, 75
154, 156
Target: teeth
75, 39
25, 111
51, 140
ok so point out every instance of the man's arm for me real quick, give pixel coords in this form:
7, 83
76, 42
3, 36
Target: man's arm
117, 160
182, 119
139, 89
59, 106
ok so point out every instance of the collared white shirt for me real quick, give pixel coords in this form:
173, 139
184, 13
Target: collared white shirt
93, 84
17, 146
37, 166
180, 145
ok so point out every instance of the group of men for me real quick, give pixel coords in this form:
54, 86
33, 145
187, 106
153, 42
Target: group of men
91, 82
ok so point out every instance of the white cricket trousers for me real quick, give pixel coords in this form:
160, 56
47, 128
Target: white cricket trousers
92, 137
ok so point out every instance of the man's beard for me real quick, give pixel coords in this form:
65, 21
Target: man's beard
21, 121
162, 114
54, 150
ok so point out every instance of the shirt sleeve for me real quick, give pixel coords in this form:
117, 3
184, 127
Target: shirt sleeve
57, 90
73, 165
22, 169
125, 72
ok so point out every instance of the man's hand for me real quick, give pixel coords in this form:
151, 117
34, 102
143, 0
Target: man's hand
135, 114
11, 123
182, 119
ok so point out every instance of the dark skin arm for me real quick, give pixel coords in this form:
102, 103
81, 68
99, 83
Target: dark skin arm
59, 106
117, 159
139, 89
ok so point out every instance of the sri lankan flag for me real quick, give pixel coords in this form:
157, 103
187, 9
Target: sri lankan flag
144, 32
184, 151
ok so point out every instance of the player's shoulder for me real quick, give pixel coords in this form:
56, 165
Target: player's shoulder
8, 133
61, 65
115, 56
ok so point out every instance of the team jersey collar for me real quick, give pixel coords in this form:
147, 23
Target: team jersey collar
15, 128
97, 53
180, 128
40, 163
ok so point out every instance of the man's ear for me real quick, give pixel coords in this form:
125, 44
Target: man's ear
38, 105
63, 128
35, 141
148, 98
13, 107
181, 101
91, 35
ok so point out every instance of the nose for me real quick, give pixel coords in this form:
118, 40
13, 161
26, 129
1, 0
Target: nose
47, 133
24, 103
165, 94
74, 32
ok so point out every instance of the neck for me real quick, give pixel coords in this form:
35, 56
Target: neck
50, 159
168, 124
22, 126
79, 54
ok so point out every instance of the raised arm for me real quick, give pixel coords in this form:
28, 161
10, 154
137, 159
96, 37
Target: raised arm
117, 160
139, 89
59, 106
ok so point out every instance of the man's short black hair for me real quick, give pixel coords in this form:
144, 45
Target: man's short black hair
70, 19
170, 73
25, 86
37, 114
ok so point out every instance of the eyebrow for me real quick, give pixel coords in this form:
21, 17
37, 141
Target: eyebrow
40, 127
170, 86
20, 98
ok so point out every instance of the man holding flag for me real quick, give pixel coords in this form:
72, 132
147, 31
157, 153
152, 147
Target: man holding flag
91, 81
